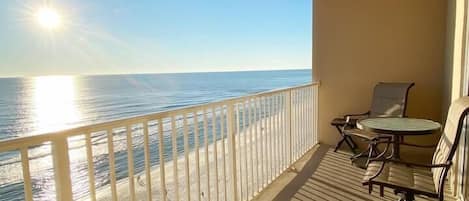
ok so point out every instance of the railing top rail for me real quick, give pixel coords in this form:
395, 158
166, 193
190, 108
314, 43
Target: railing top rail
27, 141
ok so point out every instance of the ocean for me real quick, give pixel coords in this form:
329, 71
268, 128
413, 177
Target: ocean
31, 106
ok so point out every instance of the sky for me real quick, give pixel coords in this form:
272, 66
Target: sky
154, 36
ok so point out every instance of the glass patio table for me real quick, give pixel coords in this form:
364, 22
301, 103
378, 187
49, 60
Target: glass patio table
397, 128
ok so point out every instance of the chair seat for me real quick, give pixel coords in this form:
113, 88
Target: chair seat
361, 134
402, 176
342, 121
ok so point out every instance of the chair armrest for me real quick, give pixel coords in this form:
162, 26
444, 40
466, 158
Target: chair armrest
385, 160
357, 115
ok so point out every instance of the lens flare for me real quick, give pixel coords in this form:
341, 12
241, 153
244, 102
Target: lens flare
48, 18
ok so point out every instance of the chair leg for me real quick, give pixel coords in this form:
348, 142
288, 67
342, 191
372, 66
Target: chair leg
347, 139
405, 196
370, 154
351, 144
381, 191
375, 150
409, 196
339, 144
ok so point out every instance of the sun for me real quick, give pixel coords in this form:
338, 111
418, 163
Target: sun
48, 18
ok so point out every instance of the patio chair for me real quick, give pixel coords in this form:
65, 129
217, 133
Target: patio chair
389, 100
409, 179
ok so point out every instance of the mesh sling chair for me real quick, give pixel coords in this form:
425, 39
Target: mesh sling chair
389, 100
409, 179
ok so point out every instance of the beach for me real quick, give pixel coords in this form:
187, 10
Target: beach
243, 148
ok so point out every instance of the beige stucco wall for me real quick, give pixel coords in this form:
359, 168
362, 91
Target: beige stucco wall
361, 42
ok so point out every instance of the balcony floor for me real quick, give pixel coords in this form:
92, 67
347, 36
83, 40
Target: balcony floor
322, 174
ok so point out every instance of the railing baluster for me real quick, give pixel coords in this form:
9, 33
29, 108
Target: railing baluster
250, 131
265, 143
282, 129
316, 113
186, 157
89, 159
232, 151
289, 128
146, 150
284, 132
28, 187
294, 124
163, 191
298, 118
239, 149
245, 147
256, 143
306, 115
197, 157
302, 122
312, 117
130, 162
222, 133
215, 149
298, 127
207, 162
277, 135
309, 112
267, 140
274, 137
61, 160
261, 128
112, 164
175, 157
271, 141
305, 121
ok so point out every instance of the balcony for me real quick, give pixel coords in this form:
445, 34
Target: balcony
263, 146
226, 150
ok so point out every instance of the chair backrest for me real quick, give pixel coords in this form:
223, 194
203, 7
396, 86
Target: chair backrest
390, 99
449, 141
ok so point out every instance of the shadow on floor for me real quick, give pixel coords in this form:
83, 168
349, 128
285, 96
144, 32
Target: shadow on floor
328, 175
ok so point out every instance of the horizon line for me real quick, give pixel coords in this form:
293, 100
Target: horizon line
149, 73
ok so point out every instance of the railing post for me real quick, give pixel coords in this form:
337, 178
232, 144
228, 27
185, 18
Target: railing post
63, 184
232, 151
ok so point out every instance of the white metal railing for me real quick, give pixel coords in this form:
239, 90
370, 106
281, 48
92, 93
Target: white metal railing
225, 150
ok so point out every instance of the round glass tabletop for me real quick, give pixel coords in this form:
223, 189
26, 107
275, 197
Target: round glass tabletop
407, 126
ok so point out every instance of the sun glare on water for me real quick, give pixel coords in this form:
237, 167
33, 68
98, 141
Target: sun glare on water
48, 18
54, 103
